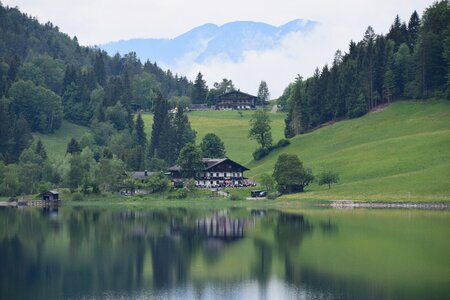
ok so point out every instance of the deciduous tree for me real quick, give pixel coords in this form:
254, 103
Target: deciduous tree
290, 174
328, 177
212, 146
190, 160
260, 129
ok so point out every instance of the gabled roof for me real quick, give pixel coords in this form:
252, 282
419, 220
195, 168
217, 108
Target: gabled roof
208, 163
141, 175
232, 92
51, 192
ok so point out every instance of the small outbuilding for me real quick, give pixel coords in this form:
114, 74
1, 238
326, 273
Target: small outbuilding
50, 196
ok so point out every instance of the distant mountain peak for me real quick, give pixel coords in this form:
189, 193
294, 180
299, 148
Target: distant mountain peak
209, 40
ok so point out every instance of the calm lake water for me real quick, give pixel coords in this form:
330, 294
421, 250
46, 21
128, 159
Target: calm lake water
92, 253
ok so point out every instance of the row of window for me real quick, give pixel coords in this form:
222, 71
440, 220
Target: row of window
221, 174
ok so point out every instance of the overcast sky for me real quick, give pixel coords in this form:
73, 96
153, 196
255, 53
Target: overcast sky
101, 21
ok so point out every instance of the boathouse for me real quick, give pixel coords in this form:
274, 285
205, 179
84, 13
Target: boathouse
50, 196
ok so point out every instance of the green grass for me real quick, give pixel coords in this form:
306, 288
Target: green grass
230, 127
56, 144
399, 154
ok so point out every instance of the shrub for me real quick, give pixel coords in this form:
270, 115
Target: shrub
235, 197
157, 183
283, 143
77, 197
260, 153
273, 196
181, 193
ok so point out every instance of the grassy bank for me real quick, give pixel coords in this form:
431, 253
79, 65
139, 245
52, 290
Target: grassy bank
399, 154
231, 127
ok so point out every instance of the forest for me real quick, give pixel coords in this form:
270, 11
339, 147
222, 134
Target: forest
410, 62
47, 77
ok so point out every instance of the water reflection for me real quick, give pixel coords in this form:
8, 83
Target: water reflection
180, 253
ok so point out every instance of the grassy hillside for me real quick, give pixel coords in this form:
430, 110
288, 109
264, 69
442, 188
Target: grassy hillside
230, 127
401, 153
56, 143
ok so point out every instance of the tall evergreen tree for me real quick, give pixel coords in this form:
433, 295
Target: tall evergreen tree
73, 147
139, 129
99, 69
40, 150
398, 32
199, 90
263, 93
182, 133
160, 129
413, 30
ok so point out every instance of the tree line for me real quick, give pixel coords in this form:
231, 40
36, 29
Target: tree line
410, 62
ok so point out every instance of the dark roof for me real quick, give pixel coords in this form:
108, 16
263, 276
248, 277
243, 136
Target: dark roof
141, 174
208, 164
232, 92
51, 192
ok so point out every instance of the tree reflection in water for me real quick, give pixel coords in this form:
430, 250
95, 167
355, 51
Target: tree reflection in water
93, 252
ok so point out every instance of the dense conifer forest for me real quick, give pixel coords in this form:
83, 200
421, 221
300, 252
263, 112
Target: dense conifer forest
410, 62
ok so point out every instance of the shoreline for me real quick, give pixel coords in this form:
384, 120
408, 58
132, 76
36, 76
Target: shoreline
280, 204
340, 204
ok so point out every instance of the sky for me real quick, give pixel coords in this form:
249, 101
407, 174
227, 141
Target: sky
96, 22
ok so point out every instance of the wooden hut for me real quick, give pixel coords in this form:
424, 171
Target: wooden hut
50, 196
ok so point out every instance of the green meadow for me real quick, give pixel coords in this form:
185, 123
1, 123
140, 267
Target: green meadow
401, 153
231, 127
56, 143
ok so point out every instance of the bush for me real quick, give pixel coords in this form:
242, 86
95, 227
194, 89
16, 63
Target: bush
157, 183
260, 153
263, 152
181, 193
236, 197
77, 197
283, 143
273, 196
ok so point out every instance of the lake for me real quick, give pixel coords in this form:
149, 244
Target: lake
173, 253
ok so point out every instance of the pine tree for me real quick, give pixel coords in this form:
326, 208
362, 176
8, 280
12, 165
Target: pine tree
199, 90
6, 127
160, 127
182, 131
263, 93
73, 146
99, 69
40, 150
141, 137
413, 30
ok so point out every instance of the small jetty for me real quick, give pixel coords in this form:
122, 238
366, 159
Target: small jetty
49, 198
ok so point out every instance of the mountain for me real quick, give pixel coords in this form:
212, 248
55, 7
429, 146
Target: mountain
209, 41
